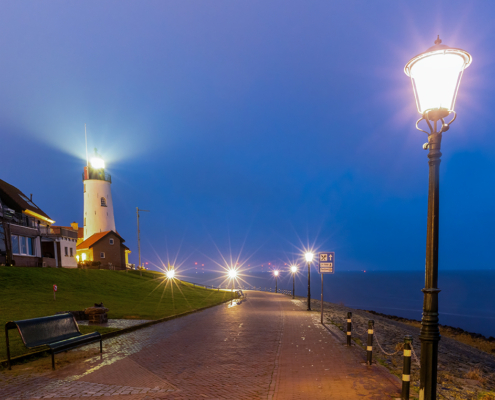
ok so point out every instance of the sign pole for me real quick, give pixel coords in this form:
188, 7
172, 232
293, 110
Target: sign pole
322, 298
326, 265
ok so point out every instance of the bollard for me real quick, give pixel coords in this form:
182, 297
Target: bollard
369, 347
406, 370
349, 328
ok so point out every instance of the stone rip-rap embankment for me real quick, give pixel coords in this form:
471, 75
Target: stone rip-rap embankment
464, 371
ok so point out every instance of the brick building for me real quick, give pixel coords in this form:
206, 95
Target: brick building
107, 248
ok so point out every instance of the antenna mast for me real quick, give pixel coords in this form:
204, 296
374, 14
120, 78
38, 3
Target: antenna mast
86, 140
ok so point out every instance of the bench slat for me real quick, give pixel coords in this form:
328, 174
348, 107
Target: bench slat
39, 331
75, 342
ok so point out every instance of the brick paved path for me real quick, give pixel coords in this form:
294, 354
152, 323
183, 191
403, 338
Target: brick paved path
268, 347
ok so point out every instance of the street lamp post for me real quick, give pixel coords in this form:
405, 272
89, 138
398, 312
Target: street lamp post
275, 273
435, 75
293, 269
309, 258
232, 275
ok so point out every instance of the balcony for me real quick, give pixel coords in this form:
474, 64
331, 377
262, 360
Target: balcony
57, 232
98, 175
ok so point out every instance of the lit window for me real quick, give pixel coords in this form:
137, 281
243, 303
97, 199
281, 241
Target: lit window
111, 241
103, 202
77, 258
102, 255
84, 256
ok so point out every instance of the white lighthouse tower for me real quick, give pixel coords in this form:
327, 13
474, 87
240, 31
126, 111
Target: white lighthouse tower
98, 204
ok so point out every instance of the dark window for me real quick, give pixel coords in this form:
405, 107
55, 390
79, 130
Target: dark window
111, 241
102, 255
15, 244
23, 245
71, 253
66, 251
30, 245
3, 249
103, 202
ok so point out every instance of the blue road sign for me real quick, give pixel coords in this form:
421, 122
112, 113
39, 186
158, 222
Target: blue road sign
326, 262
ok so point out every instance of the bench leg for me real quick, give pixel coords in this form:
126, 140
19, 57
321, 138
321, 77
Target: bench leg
53, 360
101, 346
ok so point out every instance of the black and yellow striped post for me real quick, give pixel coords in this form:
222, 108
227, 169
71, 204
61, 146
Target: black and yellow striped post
369, 346
349, 328
406, 370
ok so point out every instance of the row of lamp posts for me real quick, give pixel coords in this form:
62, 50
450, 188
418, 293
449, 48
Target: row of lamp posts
435, 75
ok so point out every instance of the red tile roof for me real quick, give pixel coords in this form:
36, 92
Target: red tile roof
90, 242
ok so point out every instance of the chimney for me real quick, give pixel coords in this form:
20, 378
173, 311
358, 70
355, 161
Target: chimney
31, 198
75, 226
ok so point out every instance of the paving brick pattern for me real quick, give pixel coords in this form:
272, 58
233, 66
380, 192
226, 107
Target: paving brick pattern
268, 347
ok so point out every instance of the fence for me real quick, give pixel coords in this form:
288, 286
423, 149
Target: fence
406, 348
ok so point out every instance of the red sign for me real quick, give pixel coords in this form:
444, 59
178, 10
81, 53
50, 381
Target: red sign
54, 288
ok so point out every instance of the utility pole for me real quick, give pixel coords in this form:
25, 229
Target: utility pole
139, 238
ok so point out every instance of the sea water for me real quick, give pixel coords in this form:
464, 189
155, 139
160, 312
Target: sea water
466, 300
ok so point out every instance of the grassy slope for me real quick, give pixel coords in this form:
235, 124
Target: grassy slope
27, 293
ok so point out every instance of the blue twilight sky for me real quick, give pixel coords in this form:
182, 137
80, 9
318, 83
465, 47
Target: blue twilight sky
252, 127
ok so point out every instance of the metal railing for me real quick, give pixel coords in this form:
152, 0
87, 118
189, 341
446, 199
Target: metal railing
99, 175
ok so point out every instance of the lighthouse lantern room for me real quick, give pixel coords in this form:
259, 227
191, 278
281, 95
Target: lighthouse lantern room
98, 204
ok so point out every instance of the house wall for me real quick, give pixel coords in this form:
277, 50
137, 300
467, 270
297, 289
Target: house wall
96, 217
114, 254
67, 261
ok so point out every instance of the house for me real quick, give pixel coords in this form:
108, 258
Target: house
27, 235
104, 250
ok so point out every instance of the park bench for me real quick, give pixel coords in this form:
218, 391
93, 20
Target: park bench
58, 332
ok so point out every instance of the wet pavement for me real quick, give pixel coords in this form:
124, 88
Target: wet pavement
267, 347
117, 323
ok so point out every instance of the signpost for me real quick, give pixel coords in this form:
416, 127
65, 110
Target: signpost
54, 292
326, 264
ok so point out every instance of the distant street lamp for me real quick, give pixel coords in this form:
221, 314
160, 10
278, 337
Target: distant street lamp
170, 273
293, 269
436, 75
309, 257
275, 273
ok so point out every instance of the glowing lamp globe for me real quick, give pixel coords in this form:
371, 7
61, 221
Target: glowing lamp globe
97, 163
170, 274
293, 269
275, 273
232, 273
309, 256
436, 75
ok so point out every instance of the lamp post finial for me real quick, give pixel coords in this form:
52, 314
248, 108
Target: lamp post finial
438, 41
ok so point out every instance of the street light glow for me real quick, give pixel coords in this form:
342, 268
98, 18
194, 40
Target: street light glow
275, 273
293, 269
436, 75
97, 163
232, 273
170, 274
309, 256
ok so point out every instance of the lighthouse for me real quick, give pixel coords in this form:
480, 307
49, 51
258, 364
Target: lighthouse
98, 204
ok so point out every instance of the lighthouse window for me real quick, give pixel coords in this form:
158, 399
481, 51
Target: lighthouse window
103, 202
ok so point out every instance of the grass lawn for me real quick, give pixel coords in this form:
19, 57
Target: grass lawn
28, 293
